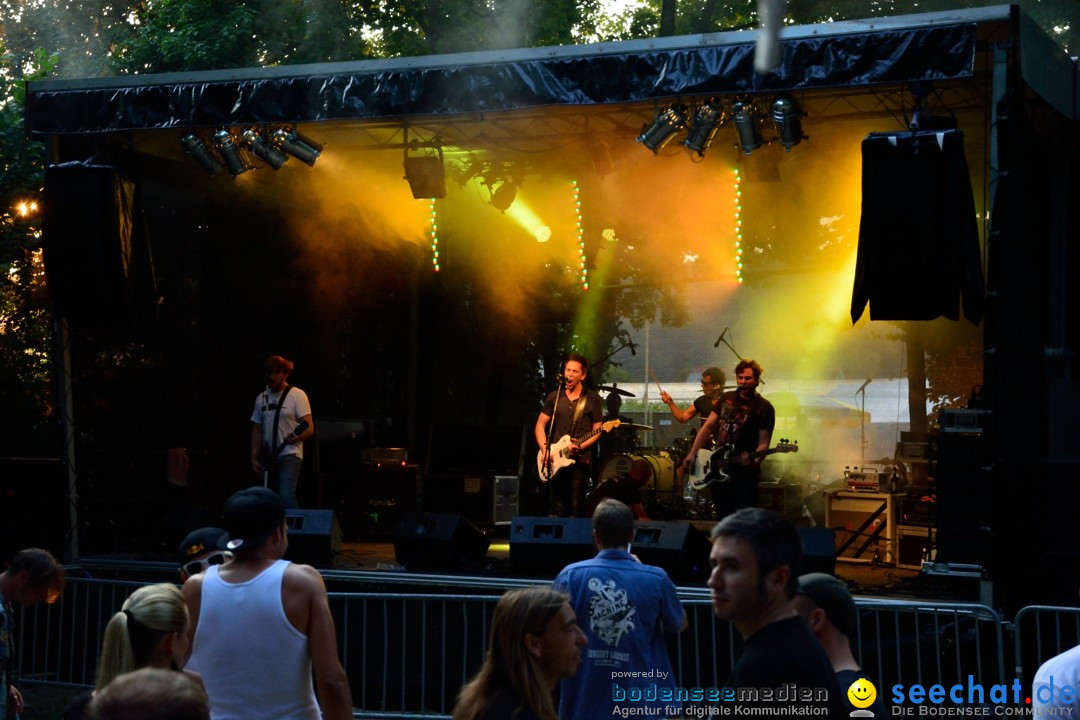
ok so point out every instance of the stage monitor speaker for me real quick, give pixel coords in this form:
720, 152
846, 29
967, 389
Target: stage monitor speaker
679, 548
818, 550
431, 541
314, 536
544, 546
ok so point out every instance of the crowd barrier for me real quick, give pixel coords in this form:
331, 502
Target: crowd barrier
408, 653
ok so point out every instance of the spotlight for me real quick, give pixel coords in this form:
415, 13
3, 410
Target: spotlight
748, 124
264, 150
194, 147
542, 233
657, 135
504, 195
426, 175
303, 149
230, 152
787, 115
707, 120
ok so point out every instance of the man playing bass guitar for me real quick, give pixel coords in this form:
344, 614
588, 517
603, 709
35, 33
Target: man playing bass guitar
575, 411
745, 420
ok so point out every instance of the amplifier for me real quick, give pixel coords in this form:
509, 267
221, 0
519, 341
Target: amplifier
916, 511
865, 480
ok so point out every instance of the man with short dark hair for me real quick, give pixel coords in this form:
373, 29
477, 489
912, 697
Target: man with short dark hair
260, 625
755, 557
712, 385
626, 609
830, 612
34, 576
150, 694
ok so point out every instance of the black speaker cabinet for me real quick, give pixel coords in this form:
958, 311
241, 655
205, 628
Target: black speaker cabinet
430, 541
544, 546
818, 550
314, 536
680, 549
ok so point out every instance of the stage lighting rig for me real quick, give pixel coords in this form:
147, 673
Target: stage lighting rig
230, 152
302, 148
666, 124
426, 175
707, 120
787, 115
196, 148
504, 195
262, 149
747, 121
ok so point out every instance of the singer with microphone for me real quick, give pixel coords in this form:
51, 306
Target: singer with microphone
280, 423
570, 419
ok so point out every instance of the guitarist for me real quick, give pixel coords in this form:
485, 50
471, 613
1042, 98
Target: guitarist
744, 420
572, 410
277, 449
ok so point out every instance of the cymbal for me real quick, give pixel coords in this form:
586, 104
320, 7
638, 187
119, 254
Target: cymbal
616, 390
635, 426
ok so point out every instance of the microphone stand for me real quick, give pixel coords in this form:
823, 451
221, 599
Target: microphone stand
862, 425
730, 347
622, 346
546, 473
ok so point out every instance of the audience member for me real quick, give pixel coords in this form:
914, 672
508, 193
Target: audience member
150, 694
626, 609
201, 549
261, 624
825, 604
34, 576
754, 558
151, 630
534, 642
1056, 688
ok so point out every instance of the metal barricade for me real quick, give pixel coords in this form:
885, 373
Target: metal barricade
1039, 633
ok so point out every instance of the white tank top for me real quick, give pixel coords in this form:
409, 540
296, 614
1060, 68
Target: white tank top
254, 664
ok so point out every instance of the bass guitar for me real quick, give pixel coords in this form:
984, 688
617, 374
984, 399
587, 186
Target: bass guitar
560, 458
718, 464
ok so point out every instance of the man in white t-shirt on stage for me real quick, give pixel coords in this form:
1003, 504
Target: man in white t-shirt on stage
260, 625
281, 422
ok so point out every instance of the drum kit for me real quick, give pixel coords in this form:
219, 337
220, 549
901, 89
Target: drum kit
666, 487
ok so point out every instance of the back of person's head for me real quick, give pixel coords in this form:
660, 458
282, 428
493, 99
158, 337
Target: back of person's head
774, 540
613, 523
250, 517
278, 363
135, 634
831, 596
150, 694
754, 365
44, 572
641, 471
613, 403
509, 664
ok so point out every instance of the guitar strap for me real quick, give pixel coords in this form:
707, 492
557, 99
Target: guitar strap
583, 400
277, 417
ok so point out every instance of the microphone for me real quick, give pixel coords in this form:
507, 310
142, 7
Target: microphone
862, 387
633, 347
721, 338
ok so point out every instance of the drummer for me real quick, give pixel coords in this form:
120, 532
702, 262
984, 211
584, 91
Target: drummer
712, 385
622, 439
624, 488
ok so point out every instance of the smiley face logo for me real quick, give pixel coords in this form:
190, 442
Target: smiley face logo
862, 693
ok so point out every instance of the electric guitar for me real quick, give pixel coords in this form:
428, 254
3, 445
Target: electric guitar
717, 465
559, 458
269, 459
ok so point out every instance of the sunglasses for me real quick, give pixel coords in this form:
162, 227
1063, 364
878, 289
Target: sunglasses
195, 567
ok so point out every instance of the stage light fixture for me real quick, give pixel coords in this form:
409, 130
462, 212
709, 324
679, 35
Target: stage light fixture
748, 124
707, 120
302, 148
503, 196
230, 152
263, 150
787, 115
195, 147
426, 175
658, 134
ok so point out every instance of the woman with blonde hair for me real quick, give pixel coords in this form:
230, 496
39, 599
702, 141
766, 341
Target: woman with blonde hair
534, 642
150, 630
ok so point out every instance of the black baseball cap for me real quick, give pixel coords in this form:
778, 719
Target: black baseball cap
201, 541
831, 595
250, 516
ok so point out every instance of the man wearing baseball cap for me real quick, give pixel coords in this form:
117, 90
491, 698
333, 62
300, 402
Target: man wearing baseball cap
260, 624
200, 549
829, 610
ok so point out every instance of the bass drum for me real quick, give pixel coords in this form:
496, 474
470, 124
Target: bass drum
663, 469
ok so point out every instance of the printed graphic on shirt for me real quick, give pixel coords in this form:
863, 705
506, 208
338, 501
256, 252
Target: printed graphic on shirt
610, 612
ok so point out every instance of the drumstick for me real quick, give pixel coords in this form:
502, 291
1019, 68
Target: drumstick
655, 380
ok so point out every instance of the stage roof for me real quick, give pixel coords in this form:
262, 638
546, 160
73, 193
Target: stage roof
860, 53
